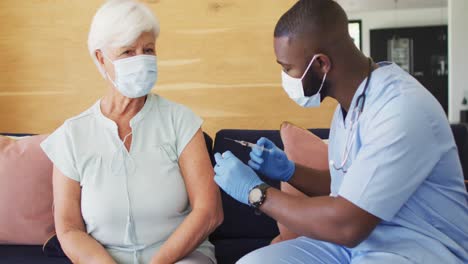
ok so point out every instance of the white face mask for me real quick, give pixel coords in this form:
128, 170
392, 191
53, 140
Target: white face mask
135, 76
295, 90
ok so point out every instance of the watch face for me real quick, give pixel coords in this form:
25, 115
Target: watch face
255, 195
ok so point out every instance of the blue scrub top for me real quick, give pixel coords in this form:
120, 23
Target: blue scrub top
403, 168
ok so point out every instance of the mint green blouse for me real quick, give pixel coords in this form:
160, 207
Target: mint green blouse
133, 201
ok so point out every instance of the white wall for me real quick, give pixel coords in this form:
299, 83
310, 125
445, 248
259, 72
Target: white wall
398, 18
457, 20
458, 56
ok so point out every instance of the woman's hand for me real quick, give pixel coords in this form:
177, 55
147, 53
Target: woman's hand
159, 259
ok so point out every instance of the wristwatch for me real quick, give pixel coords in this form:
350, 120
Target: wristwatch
257, 196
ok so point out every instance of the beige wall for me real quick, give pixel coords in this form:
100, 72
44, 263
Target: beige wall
215, 57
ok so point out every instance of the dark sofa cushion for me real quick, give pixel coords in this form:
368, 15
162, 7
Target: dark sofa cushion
229, 251
16, 135
240, 221
27, 255
209, 145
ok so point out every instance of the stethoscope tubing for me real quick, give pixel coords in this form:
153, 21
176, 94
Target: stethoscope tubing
351, 138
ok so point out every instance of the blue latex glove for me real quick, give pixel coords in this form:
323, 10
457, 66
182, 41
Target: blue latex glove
275, 164
234, 177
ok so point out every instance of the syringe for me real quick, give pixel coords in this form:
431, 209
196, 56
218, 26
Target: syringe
249, 144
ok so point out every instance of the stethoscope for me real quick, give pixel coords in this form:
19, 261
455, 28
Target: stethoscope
351, 138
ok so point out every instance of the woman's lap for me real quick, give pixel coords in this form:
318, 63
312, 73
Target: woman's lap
196, 257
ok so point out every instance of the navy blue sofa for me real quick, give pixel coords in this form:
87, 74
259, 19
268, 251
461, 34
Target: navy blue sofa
242, 230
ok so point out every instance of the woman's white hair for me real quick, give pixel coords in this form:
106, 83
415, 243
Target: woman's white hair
119, 23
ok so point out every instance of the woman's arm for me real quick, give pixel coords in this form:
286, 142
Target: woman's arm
205, 200
69, 224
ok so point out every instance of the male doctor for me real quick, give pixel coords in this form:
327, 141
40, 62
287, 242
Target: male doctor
394, 191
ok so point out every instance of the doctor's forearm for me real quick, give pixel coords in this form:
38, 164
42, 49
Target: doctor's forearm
198, 225
311, 182
318, 218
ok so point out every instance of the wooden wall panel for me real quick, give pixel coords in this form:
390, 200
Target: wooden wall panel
215, 56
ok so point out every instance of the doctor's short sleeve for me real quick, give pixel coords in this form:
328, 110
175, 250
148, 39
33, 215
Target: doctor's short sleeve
59, 148
186, 124
398, 152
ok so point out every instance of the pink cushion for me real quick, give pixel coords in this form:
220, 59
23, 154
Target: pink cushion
306, 149
303, 147
25, 192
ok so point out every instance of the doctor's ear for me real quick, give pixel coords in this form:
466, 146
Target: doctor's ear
324, 63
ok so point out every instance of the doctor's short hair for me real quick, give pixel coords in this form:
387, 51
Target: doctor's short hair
119, 23
307, 16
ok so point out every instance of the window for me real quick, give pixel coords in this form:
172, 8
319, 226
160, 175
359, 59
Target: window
355, 32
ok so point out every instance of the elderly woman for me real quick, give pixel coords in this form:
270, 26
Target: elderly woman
133, 182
